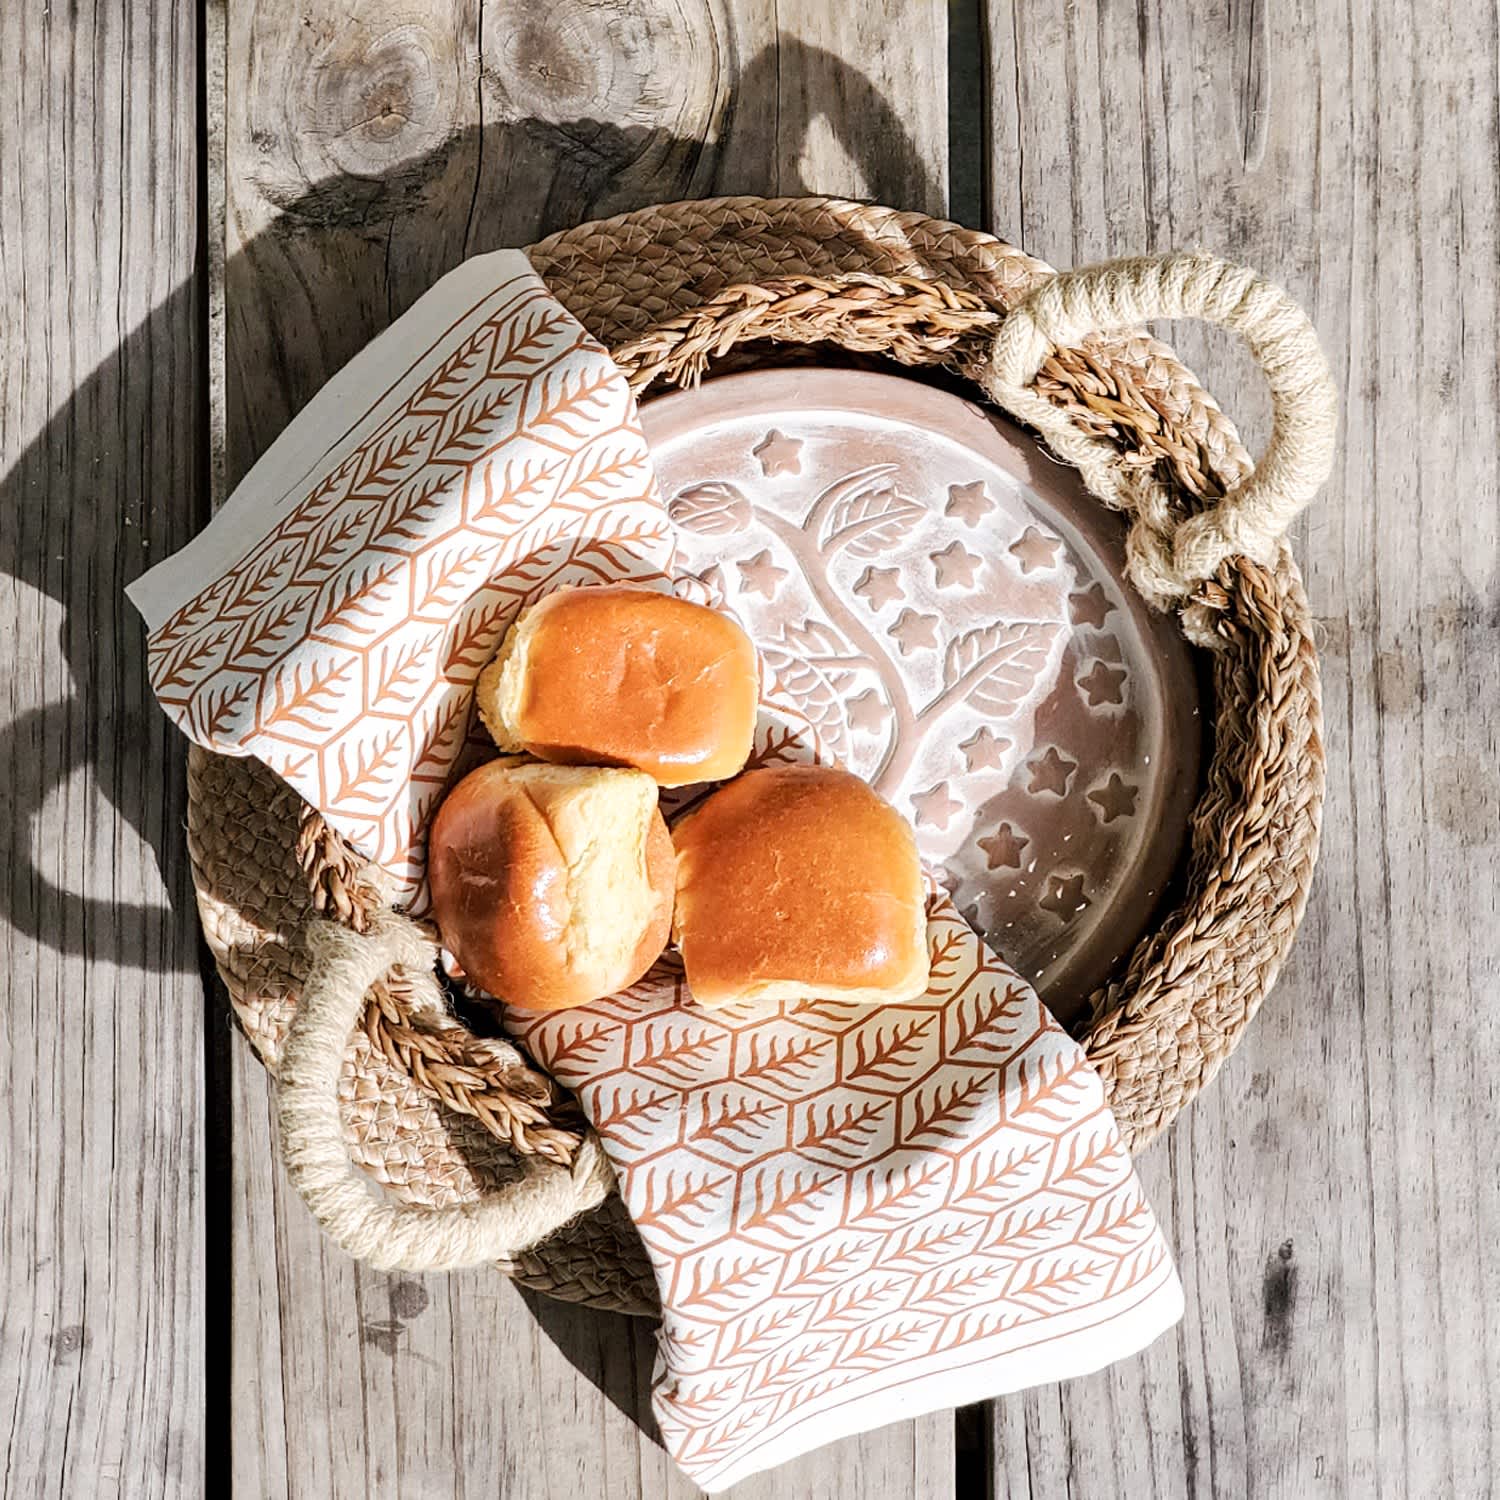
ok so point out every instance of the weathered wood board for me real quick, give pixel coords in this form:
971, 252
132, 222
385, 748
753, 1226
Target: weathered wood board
102, 1288
366, 150
1333, 1197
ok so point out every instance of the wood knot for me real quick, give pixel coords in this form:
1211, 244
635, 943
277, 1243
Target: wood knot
381, 98
367, 129
568, 60
573, 64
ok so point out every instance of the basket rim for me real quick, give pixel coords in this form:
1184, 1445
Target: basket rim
1185, 996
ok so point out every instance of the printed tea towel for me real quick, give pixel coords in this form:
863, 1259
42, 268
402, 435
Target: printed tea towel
332, 619
860, 1214
854, 1214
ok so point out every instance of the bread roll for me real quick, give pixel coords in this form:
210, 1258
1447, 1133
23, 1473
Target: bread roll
551, 885
625, 676
799, 883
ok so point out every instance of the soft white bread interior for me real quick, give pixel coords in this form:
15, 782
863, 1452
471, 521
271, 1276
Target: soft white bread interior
551, 885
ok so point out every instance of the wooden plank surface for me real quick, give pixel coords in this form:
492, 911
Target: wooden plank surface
1333, 1197
101, 1053
367, 148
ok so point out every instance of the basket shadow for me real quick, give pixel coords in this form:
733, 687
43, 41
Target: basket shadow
77, 543
614, 1352
77, 529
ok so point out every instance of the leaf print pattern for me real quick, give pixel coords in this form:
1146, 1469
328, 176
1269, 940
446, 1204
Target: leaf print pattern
783, 1201
944, 1111
732, 1121
755, 1336
827, 1264
719, 1285
886, 1052
878, 1346
364, 771
838, 1196
302, 704
677, 1204
213, 712
986, 1021
676, 1053
1028, 1229
263, 636
843, 1131
584, 1046
631, 1115
858, 1301
399, 671
995, 1182
706, 1401
515, 462
784, 1062
793, 1366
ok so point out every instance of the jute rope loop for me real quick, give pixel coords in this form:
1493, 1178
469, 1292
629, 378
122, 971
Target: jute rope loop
1169, 556
920, 321
387, 1235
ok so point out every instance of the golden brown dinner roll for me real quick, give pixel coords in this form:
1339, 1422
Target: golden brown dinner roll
625, 676
551, 885
799, 883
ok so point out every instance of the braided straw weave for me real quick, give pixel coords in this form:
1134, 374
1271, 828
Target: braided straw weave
454, 1124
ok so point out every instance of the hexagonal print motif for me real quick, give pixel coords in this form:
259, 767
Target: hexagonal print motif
859, 1191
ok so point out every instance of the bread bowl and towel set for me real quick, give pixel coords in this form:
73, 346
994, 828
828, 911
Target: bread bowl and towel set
762, 858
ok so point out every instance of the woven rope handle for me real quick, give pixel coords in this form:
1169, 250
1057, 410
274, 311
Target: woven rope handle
918, 321
1169, 557
347, 1206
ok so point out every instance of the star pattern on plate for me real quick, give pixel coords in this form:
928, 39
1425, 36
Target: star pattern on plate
760, 575
1051, 772
880, 586
1103, 684
934, 807
1035, 550
778, 454
968, 503
1115, 799
1089, 606
954, 566
984, 750
868, 712
1064, 896
912, 631
1002, 849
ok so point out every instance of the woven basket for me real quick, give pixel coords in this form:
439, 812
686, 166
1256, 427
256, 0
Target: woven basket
442, 1116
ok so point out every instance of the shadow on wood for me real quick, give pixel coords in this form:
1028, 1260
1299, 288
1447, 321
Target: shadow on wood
53, 544
613, 1352
342, 258
320, 244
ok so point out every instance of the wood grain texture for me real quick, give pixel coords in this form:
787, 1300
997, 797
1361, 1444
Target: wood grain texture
101, 1053
367, 148
1332, 1198
370, 147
